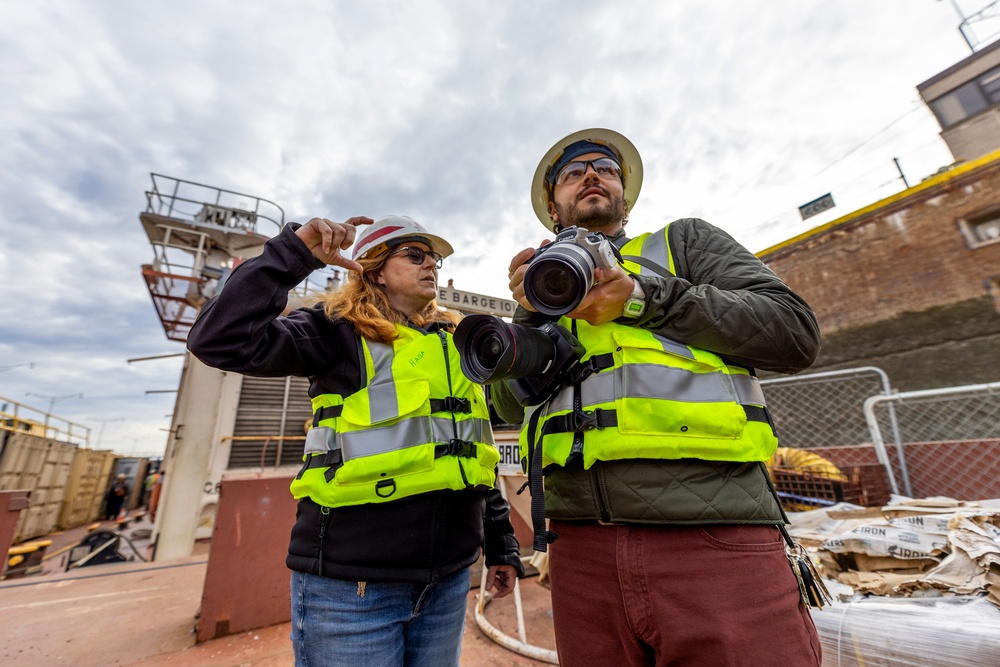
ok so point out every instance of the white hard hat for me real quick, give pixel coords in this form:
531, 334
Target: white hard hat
397, 228
600, 138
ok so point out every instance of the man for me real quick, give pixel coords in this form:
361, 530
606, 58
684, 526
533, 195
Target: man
665, 546
115, 497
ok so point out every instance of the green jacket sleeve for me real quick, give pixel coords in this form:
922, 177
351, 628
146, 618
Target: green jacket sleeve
725, 300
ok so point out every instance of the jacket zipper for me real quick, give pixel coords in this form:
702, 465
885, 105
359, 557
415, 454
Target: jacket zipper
577, 451
602, 504
325, 517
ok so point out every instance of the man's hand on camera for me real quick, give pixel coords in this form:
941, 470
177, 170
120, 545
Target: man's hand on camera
606, 299
325, 239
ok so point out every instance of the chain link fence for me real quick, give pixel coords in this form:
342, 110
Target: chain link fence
825, 409
952, 438
936, 442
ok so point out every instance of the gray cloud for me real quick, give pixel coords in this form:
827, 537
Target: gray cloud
436, 110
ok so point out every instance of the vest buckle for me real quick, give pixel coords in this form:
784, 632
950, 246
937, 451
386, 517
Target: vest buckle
453, 404
462, 448
582, 420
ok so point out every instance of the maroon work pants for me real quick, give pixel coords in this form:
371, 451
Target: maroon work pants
679, 596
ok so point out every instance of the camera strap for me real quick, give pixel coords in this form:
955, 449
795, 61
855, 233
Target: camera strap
542, 535
584, 370
577, 451
649, 264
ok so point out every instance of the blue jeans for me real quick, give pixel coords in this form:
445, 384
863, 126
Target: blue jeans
393, 624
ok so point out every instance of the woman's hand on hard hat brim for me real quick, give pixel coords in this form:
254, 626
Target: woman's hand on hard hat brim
326, 239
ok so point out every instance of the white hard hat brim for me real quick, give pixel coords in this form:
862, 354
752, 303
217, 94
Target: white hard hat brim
631, 165
405, 228
437, 244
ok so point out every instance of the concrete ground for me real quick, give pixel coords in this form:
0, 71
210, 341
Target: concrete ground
145, 613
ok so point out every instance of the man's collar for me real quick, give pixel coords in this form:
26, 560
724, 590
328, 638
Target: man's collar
619, 239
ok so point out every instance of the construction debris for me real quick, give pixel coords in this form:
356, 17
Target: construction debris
916, 582
909, 547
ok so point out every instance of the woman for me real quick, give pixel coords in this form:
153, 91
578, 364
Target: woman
397, 493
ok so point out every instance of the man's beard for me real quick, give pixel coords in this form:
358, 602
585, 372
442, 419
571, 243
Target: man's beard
610, 212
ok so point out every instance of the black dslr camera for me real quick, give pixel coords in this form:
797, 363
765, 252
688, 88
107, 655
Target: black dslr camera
562, 273
538, 361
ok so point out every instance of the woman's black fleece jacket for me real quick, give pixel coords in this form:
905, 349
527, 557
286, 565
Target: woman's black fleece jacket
418, 539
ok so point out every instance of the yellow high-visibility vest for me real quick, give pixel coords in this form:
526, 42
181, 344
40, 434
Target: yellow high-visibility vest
418, 425
651, 397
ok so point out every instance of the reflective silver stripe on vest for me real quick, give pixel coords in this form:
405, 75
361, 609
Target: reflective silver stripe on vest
673, 346
661, 382
409, 433
382, 401
654, 248
748, 389
320, 439
598, 388
675, 384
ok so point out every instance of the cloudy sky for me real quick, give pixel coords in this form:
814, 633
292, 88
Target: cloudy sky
742, 111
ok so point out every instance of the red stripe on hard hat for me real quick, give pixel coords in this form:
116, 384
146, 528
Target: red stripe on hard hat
374, 236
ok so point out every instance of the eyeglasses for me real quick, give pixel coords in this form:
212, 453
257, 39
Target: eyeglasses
417, 255
604, 167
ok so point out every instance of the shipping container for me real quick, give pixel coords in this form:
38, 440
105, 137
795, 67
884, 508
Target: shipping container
42, 466
88, 479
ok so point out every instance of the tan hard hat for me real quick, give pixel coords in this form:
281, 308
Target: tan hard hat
628, 158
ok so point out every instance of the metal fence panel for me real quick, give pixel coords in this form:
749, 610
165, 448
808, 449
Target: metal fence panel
952, 438
824, 409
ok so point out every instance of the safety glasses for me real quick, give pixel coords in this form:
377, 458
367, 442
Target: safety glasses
604, 167
417, 255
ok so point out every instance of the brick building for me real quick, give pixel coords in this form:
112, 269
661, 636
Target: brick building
910, 284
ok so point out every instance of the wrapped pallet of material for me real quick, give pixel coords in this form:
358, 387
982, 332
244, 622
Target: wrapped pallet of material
905, 632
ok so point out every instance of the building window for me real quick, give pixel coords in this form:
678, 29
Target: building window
968, 99
981, 230
993, 287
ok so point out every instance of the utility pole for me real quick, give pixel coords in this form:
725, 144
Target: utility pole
981, 14
30, 364
52, 401
104, 422
901, 174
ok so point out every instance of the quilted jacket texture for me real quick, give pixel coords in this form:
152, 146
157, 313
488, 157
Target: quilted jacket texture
722, 299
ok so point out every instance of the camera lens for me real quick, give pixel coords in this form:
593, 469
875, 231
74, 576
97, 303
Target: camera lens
489, 350
556, 286
493, 350
557, 281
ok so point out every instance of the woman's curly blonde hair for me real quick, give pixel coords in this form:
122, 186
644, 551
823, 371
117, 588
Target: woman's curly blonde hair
363, 303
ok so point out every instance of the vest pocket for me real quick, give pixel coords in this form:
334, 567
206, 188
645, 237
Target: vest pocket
381, 403
368, 469
386, 432
643, 416
660, 391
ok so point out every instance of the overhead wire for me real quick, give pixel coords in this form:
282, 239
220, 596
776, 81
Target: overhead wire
865, 142
774, 218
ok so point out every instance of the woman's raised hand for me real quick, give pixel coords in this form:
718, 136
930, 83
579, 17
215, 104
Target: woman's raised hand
326, 239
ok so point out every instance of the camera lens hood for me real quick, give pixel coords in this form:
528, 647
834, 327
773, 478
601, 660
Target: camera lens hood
559, 279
